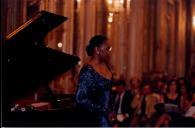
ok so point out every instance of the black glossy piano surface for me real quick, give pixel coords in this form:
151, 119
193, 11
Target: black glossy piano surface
28, 64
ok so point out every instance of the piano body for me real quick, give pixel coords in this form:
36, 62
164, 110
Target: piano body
28, 64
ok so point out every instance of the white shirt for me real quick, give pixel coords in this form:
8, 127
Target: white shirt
120, 103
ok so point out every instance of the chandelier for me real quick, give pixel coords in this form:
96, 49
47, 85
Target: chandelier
115, 5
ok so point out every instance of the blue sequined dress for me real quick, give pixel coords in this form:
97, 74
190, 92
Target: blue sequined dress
93, 93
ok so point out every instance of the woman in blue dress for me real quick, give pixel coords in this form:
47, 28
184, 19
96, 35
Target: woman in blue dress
95, 80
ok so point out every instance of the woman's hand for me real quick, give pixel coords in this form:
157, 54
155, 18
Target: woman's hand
112, 116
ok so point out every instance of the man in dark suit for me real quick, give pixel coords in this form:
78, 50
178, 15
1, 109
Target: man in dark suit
121, 105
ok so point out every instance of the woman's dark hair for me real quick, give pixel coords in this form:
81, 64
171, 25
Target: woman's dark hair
95, 41
170, 83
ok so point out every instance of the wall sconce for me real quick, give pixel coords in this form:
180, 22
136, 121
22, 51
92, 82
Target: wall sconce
110, 17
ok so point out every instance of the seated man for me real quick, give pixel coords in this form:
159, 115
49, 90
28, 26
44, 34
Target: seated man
143, 105
121, 105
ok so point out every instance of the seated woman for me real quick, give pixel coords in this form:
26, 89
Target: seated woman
172, 97
172, 103
184, 93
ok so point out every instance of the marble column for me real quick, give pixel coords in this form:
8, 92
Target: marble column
136, 39
180, 38
160, 42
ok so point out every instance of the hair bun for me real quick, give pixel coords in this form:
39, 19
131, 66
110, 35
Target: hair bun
89, 50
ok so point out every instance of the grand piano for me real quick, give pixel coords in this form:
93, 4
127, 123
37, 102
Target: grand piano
28, 64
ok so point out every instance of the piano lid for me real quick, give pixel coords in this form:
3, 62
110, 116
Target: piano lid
27, 62
37, 27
